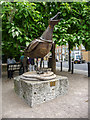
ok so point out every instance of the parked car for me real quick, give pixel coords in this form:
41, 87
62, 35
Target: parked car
79, 61
83, 61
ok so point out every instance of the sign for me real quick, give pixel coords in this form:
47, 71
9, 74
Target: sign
52, 83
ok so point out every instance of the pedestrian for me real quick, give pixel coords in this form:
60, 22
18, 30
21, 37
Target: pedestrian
25, 64
21, 71
10, 60
36, 64
29, 61
31, 64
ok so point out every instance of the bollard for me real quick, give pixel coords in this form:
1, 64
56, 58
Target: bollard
43, 63
88, 69
61, 66
72, 67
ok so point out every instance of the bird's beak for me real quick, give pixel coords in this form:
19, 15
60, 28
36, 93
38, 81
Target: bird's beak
55, 19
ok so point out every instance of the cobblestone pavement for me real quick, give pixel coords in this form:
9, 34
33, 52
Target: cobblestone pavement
72, 105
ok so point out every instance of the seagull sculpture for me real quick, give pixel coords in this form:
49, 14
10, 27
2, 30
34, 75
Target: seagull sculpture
41, 46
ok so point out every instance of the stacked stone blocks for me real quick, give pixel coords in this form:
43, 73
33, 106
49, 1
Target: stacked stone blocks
37, 92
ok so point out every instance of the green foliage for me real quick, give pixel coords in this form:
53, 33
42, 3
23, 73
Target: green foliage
21, 23
24, 21
74, 28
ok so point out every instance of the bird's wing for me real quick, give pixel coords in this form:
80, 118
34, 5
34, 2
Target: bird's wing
32, 45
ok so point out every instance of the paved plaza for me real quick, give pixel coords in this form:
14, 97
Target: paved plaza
72, 105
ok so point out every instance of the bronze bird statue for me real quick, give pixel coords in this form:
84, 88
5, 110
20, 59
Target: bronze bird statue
41, 46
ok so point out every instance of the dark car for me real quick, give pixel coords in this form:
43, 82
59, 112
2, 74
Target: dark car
79, 61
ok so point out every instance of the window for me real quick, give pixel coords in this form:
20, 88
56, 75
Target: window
63, 51
60, 50
66, 49
78, 57
60, 56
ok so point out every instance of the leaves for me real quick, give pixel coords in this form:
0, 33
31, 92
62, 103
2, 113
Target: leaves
24, 21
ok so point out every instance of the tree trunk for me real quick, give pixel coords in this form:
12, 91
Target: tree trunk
53, 59
69, 58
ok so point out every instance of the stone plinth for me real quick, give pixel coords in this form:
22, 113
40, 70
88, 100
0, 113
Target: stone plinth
37, 92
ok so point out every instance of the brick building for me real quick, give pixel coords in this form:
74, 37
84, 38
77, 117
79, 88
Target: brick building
62, 52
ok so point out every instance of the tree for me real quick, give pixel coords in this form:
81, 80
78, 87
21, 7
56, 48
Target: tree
21, 23
74, 29
24, 21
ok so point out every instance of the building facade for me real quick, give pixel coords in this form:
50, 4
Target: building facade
78, 52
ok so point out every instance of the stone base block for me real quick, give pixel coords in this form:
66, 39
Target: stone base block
37, 92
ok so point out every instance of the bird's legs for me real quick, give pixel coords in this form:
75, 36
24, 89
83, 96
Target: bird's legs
41, 69
37, 64
41, 64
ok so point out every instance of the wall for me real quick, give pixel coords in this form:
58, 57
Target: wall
85, 55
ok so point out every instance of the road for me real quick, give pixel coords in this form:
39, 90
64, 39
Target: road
83, 66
